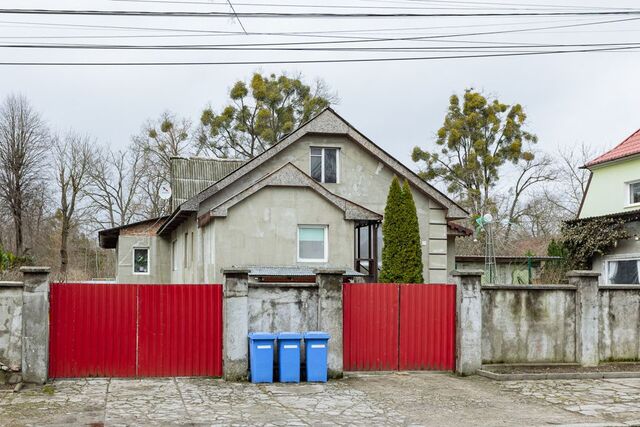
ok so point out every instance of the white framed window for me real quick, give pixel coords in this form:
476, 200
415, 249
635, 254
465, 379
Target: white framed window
324, 164
313, 243
633, 193
140, 260
623, 271
174, 255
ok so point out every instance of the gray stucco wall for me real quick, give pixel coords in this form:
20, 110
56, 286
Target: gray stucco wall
11, 324
278, 308
528, 324
365, 180
159, 257
262, 230
619, 324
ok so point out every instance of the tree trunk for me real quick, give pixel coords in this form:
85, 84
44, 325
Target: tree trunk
64, 241
17, 223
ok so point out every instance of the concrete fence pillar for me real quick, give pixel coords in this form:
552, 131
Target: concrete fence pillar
35, 324
235, 324
330, 315
587, 314
468, 321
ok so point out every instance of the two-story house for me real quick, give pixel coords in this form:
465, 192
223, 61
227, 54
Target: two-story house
614, 191
314, 199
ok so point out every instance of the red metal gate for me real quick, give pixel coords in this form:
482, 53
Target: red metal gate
391, 326
135, 330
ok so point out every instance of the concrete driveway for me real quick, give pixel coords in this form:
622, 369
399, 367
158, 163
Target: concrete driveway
378, 399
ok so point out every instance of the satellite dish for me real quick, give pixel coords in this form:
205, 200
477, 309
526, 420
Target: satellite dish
165, 191
487, 218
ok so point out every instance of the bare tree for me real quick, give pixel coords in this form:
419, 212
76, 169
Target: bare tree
572, 179
23, 148
73, 159
531, 173
159, 141
115, 185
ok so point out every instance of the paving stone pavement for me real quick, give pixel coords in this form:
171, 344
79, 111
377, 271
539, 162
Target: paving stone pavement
615, 400
378, 399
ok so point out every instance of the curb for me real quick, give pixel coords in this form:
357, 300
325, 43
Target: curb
557, 375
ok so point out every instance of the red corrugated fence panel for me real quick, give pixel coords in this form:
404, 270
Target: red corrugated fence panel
370, 336
180, 330
93, 330
427, 327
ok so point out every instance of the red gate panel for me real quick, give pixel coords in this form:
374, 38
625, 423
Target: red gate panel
370, 336
93, 330
180, 330
427, 327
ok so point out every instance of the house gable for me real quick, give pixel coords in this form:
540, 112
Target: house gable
330, 123
291, 176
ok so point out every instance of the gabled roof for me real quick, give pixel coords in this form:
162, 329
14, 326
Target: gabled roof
327, 122
290, 176
628, 147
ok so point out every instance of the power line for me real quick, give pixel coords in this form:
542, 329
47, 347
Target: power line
321, 61
236, 15
419, 38
187, 14
250, 47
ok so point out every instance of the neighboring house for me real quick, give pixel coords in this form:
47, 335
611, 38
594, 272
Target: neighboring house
614, 191
315, 199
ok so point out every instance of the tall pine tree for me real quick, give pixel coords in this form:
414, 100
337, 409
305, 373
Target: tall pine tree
411, 242
401, 251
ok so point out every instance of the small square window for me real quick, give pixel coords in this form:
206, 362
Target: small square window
312, 243
634, 193
141, 260
324, 164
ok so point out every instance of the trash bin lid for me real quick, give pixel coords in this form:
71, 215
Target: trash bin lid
262, 336
316, 335
289, 336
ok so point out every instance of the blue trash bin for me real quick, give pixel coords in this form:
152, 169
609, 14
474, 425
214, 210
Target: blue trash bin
316, 345
261, 346
289, 356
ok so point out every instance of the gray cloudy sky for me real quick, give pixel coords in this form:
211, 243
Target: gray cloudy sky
572, 98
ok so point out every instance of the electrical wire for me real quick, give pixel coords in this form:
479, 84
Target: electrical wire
321, 61
188, 14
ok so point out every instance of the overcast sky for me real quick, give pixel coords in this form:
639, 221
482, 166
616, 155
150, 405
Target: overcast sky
572, 98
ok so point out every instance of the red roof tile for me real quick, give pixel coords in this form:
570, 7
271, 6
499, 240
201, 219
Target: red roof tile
628, 147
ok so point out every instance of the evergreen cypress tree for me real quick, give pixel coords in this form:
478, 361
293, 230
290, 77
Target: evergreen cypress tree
412, 259
392, 263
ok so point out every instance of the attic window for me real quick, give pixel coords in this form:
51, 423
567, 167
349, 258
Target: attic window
324, 164
634, 192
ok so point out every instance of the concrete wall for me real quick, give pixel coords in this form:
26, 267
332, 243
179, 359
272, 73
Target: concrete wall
283, 307
262, 230
11, 325
607, 191
159, 257
527, 324
619, 323
365, 180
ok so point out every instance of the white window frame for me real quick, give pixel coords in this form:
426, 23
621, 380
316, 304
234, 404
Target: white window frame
326, 243
628, 201
133, 260
608, 258
322, 179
